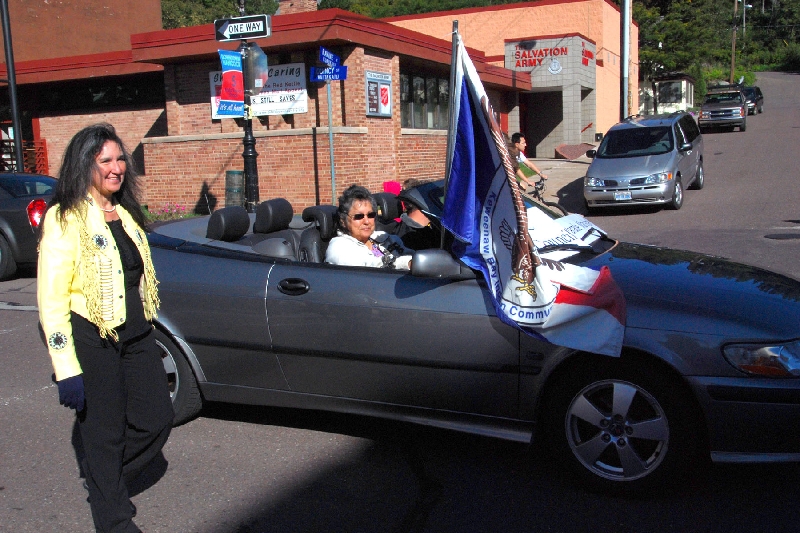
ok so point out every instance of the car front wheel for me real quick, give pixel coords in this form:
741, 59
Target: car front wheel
677, 196
620, 428
183, 390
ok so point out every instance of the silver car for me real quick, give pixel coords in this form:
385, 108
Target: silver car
644, 161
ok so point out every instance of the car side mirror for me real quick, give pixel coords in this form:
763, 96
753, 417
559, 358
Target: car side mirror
437, 263
591, 153
685, 147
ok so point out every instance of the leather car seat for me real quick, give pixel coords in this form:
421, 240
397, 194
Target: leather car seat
228, 224
314, 240
389, 209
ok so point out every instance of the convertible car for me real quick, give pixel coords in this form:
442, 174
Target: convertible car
710, 366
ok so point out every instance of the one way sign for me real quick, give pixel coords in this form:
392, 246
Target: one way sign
252, 27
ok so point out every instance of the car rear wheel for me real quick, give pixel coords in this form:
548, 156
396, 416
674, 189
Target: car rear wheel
700, 177
186, 399
619, 427
7, 264
677, 196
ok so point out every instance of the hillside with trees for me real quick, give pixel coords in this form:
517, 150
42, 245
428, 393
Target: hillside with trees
692, 36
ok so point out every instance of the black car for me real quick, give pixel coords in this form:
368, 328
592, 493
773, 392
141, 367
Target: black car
23, 201
755, 100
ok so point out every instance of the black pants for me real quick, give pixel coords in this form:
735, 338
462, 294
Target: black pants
126, 422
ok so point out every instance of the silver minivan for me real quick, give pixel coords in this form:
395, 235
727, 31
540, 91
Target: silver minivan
645, 160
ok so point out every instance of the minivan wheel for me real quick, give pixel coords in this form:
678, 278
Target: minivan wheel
700, 177
677, 196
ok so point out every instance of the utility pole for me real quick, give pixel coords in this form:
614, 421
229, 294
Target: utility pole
249, 154
625, 38
12, 87
733, 39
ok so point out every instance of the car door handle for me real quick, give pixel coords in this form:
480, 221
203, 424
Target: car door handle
293, 286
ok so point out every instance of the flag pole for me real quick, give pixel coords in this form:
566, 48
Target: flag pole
451, 130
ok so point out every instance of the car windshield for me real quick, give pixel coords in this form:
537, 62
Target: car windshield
20, 185
721, 98
750, 93
636, 142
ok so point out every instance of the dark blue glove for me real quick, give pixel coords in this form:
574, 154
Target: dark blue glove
70, 392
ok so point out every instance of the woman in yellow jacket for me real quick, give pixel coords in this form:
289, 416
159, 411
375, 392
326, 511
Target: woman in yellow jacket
97, 295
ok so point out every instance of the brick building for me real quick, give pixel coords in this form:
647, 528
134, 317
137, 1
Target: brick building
157, 92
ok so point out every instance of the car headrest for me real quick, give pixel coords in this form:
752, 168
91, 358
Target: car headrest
325, 218
273, 215
228, 224
388, 206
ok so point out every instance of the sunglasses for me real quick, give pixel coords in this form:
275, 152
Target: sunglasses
360, 216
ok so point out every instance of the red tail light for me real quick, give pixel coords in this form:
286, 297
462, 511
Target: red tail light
36, 211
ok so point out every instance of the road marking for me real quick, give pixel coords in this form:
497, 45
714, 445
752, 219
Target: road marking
12, 306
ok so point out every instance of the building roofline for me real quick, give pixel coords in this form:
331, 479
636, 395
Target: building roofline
118, 63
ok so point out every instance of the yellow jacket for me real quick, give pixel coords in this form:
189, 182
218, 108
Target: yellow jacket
80, 270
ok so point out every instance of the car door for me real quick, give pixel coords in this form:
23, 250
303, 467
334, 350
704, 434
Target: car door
687, 160
214, 301
386, 336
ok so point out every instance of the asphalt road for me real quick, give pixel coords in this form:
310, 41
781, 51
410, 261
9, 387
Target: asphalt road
248, 470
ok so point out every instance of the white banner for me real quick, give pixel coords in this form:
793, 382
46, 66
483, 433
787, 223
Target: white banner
284, 91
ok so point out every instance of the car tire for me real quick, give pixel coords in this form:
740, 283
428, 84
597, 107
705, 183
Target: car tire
700, 177
621, 428
8, 267
677, 196
743, 127
183, 390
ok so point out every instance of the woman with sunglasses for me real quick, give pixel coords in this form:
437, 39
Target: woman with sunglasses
357, 243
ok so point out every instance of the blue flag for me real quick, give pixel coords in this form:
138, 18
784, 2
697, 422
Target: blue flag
561, 303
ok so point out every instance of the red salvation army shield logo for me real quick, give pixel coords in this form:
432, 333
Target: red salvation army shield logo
384, 95
232, 86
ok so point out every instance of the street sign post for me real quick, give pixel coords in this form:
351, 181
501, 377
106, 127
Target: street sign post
334, 72
251, 27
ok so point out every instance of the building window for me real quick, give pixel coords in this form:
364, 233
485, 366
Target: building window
424, 101
670, 92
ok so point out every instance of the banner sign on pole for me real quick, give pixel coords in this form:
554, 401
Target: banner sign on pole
231, 95
284, 91
379, 94
328, 74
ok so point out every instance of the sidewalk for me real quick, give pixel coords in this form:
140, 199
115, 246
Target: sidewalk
565, 181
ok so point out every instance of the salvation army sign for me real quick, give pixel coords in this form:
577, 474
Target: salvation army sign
378, 87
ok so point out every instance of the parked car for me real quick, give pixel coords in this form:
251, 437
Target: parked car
724, 108
23, 201
710, 363
755, 100
645, 160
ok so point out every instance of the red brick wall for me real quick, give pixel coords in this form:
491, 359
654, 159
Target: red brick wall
132, 126
188, 167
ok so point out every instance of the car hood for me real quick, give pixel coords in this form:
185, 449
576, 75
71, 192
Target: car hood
629, 166
676, 290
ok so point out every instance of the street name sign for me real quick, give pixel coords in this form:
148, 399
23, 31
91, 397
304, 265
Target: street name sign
328, 74
251, 27
328, 57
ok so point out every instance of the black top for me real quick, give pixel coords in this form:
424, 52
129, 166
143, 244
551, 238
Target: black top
133, 268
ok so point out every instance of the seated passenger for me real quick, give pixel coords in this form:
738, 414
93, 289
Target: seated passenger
357, 243
415, 229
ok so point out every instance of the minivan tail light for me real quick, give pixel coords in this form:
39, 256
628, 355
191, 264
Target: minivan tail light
36, 211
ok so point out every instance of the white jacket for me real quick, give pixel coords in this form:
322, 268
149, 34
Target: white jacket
347, 250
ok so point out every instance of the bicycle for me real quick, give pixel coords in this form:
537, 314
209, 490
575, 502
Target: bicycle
537, 194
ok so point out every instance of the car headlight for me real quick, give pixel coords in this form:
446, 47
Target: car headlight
592, 182
767, 360
661, 177
704, 114
737, 112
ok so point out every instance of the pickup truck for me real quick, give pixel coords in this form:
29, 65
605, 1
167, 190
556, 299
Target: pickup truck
723, 108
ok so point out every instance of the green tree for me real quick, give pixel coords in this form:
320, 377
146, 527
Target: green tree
181, 13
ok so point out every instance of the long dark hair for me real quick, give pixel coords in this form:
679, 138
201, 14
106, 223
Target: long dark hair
78, 167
